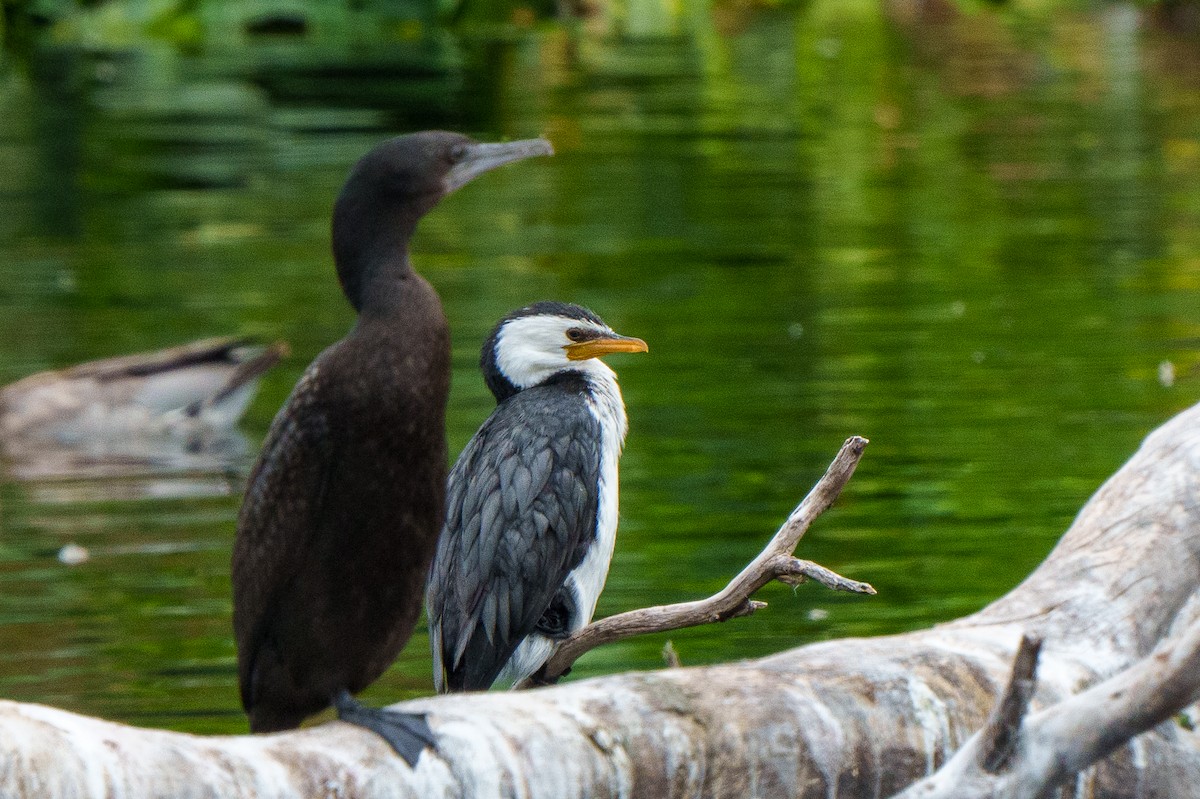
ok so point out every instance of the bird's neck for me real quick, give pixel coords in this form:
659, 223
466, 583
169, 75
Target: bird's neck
402, 306
370, 249
386, 288
605, 398
602, 394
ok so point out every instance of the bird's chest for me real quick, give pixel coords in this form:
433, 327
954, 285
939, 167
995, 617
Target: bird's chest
589, 577
388, 447
385, 395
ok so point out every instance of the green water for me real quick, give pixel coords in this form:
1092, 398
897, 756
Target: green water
973, 242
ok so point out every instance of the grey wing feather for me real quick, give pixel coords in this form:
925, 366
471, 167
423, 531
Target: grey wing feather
281, 509
521, 511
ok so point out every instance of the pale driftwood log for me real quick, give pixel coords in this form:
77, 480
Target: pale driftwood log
849, 718
775, 562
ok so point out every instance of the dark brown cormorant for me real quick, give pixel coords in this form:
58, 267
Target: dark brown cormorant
531, 510
343, 508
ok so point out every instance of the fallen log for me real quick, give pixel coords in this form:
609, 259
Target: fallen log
846, 718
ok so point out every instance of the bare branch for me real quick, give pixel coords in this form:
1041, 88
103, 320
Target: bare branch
1090, 725
775, 562
1011, 759
794, 571
1003, 728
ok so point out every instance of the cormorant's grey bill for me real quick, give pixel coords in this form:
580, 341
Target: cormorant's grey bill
479, 158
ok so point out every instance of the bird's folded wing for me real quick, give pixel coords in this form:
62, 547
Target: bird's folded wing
521, 511
281, 511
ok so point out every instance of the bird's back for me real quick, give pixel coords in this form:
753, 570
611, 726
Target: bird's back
521, 513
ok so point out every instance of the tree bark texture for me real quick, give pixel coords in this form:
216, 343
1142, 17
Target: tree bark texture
1019, 757
847, 718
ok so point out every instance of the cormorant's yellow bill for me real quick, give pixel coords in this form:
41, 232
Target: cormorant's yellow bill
595, 347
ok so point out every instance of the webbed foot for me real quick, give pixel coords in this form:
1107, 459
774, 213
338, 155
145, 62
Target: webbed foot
407, 733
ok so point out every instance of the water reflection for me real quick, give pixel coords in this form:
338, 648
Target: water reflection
970, 239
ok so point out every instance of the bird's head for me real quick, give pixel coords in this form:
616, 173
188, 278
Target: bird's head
532, 344
397, 183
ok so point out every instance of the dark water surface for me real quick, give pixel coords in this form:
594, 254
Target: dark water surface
972, 241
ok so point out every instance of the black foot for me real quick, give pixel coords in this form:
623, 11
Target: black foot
407, 733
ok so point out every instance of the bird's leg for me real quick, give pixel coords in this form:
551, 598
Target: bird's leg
555, 622
407, 733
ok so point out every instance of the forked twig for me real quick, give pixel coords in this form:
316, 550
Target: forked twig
775, 562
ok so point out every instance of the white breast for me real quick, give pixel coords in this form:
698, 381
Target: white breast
589, 576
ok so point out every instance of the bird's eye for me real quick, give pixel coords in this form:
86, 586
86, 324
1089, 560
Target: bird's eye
457, 153
577, 334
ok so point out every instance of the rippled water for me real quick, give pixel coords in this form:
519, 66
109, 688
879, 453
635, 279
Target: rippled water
972, 241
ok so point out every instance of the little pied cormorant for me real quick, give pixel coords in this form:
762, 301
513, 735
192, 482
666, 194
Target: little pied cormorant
344, 506
531, 509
